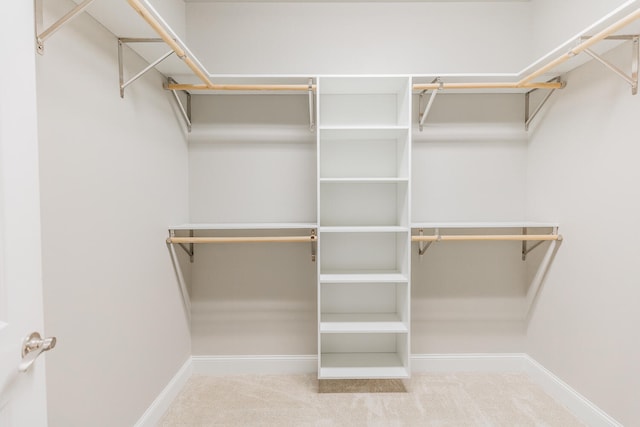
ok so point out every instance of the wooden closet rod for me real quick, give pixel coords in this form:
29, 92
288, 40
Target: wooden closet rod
168, 39
267, 239
474, 237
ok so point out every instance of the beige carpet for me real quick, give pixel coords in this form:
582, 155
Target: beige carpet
458, 400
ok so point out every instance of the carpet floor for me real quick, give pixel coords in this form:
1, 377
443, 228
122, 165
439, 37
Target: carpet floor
460, 400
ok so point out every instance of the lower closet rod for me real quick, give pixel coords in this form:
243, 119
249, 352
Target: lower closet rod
270, 239
511, 237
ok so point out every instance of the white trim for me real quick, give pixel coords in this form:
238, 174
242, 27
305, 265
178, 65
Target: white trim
579, 405
159, 406
269, 364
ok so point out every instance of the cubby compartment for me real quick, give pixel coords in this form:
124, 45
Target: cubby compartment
364, 307
357, 153
358, 101
364, 252
364, 355
364, 203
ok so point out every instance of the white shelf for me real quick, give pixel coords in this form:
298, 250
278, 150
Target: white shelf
246, 226
363, 180
363, 128
365, 229
362, 323
364, 277
361, 365
363, 133
506, 224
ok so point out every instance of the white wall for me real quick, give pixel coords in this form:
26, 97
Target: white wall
469, 161
342, 37
253, 159
469, 165
582, 171
113, 177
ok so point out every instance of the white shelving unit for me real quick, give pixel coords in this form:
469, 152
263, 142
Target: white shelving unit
364, 226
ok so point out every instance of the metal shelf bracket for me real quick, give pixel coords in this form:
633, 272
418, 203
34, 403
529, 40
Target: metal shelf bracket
528, 114
189, 250
633, 78
422, 116
41, 37
186, 112
125, 40
422, 247
526, 250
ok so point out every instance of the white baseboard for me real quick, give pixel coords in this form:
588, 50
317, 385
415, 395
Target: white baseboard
236, 365
307, 364
579, 405
582, 408
153, 414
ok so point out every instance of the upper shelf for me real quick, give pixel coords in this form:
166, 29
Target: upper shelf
118, 17
482, 225
246, 226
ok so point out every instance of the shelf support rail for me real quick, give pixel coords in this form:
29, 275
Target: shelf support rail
41, 37
314, 245
186, 113
422, 116
311, 90
633, 78
528, 115
125, 40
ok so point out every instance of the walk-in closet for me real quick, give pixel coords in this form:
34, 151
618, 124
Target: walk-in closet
352, 193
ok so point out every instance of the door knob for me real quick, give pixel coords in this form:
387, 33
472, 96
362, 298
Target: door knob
32, 347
